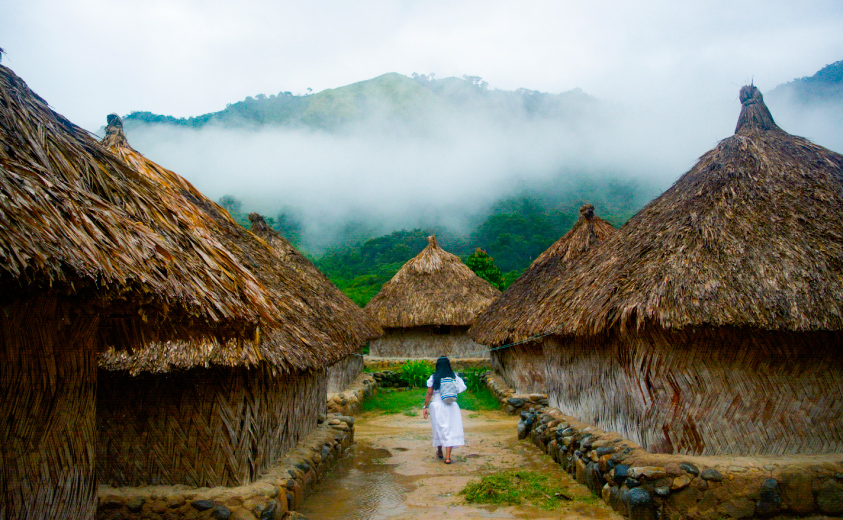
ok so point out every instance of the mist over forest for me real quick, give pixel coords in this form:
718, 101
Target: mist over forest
338, 167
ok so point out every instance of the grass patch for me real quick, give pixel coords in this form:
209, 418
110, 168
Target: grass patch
513, 488
410, 402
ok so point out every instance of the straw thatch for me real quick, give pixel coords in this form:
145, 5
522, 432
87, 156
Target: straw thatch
76, 221
751, 236
523, 366
317, 324
220, 426
89, 255
433, 288
509, 318
214, 413
712, 322
427, 307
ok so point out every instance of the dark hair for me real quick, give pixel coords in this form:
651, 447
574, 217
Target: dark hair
443, 369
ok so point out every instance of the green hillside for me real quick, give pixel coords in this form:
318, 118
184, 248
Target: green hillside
826, 86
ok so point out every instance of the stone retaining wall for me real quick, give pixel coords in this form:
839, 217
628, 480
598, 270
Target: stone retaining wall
643, 485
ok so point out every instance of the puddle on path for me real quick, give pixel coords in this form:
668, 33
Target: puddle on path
393, 473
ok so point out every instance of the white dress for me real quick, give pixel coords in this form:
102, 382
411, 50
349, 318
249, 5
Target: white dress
446, 419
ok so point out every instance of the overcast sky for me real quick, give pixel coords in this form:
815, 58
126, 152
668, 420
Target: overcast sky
181, 57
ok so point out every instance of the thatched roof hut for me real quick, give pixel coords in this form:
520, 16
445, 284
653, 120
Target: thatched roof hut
265, 410
89, 256
730, 279
506, 320
434, 293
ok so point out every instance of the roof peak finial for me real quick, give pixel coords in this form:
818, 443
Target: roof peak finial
432, 241
754, 112
114, 135
587, 211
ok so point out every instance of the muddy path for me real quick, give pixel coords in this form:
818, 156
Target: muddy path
393, 473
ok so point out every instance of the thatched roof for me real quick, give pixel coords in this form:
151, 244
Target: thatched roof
750, 237
434, 288
315, 324
78, 222
508, 318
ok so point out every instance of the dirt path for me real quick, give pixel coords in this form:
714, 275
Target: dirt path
394, 473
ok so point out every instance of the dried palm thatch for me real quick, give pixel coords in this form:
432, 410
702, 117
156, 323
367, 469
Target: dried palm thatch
508, 318
751, 236
89, 253
315, 324
433, 288
202, 427
77, 222
228, 412
712, 322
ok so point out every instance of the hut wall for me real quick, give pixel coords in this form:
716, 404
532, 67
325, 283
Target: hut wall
705, 392
47, 411
343, 373
427, 342
522, 367
202, 427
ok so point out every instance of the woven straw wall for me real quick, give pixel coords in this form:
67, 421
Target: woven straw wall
705, 392
201, 427
426, 342
522, 367
342, 373
47, 413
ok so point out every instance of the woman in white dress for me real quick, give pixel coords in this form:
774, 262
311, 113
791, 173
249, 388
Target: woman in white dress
444, 418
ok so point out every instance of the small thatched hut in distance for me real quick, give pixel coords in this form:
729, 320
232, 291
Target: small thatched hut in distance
205, 414
342, 373
89, 256
712, 321
523, 366
428, 306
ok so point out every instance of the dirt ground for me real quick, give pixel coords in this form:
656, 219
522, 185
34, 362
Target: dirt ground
393, 473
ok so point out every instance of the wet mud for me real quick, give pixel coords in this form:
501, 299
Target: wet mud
393, 473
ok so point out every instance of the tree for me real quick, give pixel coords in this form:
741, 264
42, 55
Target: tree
484, 266
231, 204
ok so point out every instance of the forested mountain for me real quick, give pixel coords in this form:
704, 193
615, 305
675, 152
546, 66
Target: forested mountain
390, 96
824, 87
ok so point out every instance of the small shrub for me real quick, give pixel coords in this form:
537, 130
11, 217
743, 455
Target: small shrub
473, 378
415, 373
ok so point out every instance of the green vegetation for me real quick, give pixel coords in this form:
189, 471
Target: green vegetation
409, 401
416, 373
515, 487
484, 266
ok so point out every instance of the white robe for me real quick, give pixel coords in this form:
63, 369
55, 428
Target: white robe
446, 419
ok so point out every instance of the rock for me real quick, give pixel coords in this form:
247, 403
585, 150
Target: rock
690, 468
830, 498
771, 499
606, 450
647, 472
220, 512
110, 502
269, 510
515, 402
522, 430
135, 504
621, 473
304, 466
341, 426
796, 491
326, 450
176, 502
640, 505
202, 505
631, 483
711, 474
680, 482
661, 491
322, 418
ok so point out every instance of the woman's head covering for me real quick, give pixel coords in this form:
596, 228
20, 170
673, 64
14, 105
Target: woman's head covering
443, 369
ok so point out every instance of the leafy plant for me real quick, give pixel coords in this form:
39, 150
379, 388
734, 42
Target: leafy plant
473, 378
484, 266
415, 373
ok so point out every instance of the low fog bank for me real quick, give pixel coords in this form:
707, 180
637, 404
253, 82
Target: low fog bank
374, 178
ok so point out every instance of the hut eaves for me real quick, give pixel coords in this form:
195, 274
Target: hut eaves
315, 324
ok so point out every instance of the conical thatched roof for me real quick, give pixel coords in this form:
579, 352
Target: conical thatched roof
508, 318
434, 288
751, 236
315, 325
75, 221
